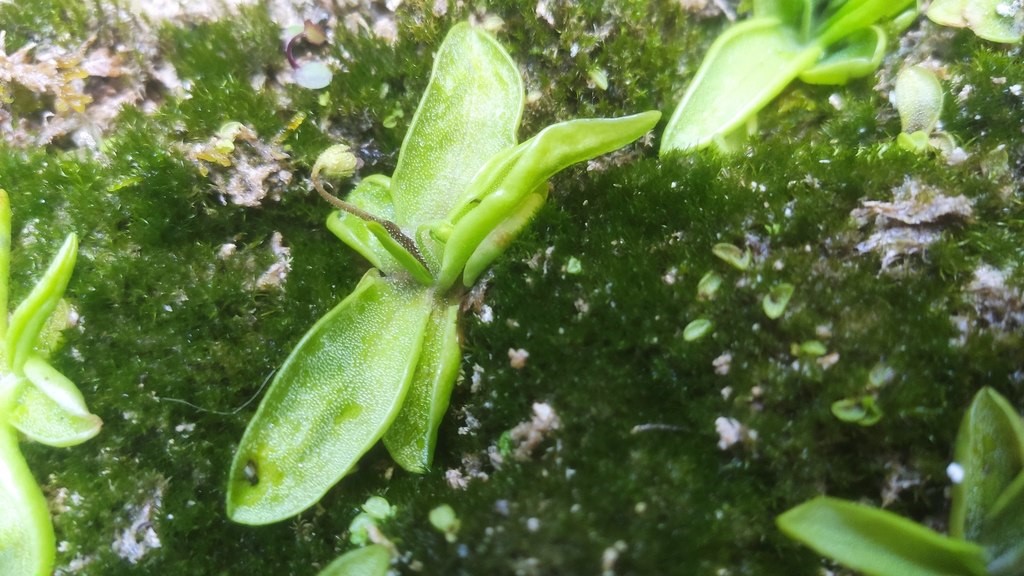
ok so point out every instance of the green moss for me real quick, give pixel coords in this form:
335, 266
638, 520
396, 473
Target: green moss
166, 320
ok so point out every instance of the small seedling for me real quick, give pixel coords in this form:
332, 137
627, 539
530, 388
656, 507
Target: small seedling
918, 99
697, 329
35, 400
381, 365
818, 41
986, 523
775, 301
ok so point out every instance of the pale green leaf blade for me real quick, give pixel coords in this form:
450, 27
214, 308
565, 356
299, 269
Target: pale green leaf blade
31, 316
747, 66
27, 544
990, 449
918, 96
372, 560
796, 14
413, 435
372, 194
859, 54
877, 542
522, 171
854, 15
948, 13
5, 258
469, 112
332, 399
985, 19
42, 420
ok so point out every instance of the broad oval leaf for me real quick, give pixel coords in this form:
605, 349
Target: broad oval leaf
918, 96
877, 542
469, 112
333, 398
26, 533
990, 448
412, 436
1003, 532
50, 409
746, 67
372, 560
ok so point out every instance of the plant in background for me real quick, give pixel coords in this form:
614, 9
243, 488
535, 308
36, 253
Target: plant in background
986, 523
381, 365
818, 41
993, 20
35, 400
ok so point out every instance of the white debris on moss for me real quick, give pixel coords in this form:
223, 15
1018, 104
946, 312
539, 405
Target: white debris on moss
722, 364
134, 542
528, 436
899, 479
731, 431
244, 169
277, 273
471, 469
910, 223
995, 304
517, 358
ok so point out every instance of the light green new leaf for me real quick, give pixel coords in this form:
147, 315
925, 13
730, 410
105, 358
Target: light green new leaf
524, 169
879, 543
469, 112
990, 448
412, 436
333, 398
50, 409
746, 67
858, 55
918, 96
27, 545
372, 560
31, 316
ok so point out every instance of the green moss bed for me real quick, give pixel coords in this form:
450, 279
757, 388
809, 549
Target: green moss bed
177, 333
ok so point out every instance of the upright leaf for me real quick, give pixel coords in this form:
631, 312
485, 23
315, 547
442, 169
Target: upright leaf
27, 545
469, 112
990, 448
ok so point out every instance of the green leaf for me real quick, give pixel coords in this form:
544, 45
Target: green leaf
985, 19
878, 543
31, 316
469, 112
524, 169
5, 259
853, 15
918, 96
859, 54
412, 436
27, 544
372, 560
797, 14
1003, 531
372, 194
41, 419
495, 244
747, 66
990, 448
948, 13
333, 398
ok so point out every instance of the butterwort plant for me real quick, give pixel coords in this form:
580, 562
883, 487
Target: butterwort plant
36, 401
986, 519
381, 365
752, 62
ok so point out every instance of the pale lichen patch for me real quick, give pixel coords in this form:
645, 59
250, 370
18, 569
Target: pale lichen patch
911, 222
